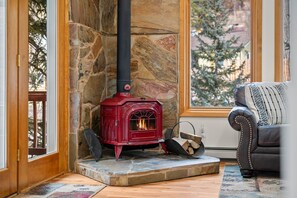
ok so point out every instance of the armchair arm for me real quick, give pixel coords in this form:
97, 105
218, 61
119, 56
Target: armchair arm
234, 119
243, 120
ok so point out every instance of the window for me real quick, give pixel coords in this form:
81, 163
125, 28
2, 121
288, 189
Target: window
220, 51
216, 53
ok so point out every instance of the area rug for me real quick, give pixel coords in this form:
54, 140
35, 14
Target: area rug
264, 185
61, 190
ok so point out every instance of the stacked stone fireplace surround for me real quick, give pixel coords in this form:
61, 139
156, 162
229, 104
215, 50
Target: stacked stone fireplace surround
92, 61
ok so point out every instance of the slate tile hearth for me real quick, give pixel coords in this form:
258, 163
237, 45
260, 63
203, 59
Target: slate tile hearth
139, 167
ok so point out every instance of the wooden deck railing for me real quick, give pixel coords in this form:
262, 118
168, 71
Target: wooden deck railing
36, 97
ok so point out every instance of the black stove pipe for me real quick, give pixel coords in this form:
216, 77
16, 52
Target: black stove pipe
124, 46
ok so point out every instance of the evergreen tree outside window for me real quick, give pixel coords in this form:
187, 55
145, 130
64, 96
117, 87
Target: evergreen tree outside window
37, 67
37, 45
220, 50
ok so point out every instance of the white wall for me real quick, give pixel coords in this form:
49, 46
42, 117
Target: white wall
218, 137
221, 140
268, 41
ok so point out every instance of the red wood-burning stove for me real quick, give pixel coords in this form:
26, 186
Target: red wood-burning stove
129, 121
126, 120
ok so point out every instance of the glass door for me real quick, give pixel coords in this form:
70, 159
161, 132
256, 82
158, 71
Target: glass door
33, 111
41, 134
8, 97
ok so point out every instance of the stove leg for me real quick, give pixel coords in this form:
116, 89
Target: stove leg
117, 151
164, 147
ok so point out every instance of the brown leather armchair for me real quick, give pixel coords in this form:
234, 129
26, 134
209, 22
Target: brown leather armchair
259, 144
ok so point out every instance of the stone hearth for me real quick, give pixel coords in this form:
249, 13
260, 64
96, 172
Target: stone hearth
139, 167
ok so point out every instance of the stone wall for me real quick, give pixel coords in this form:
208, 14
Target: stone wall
154, 61
87, 73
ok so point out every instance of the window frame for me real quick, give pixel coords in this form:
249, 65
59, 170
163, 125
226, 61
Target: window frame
185, 108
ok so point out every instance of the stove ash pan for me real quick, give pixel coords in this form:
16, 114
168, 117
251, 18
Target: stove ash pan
128, 121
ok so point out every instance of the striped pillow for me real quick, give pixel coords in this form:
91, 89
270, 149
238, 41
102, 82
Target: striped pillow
268, 101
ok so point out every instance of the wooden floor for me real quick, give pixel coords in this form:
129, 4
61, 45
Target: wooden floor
207, 186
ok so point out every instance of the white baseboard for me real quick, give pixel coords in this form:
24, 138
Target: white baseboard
226, 154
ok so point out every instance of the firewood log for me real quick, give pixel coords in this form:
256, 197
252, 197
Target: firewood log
194, 144
190, 150
183, 142
190, 136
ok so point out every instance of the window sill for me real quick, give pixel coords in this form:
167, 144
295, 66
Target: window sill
206, 112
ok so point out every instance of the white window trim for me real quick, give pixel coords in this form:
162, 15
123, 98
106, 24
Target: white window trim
52, 115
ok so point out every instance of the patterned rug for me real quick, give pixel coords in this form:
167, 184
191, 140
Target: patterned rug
263, 185
60, 190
